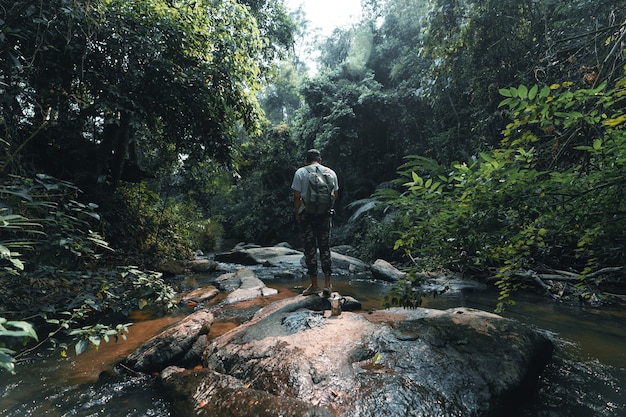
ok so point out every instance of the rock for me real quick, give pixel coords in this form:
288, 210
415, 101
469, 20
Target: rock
420, 362
284, 245
450, 285
173, 268
345, 250
302, 320
243, 245
350, 304
200, 295
170, 345
188, 284
348, 264
286, 258
228, 282
275, 255
201, 266
243, 285
223, 395
193, 356
383, 270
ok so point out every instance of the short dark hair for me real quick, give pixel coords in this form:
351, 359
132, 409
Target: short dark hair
313, 155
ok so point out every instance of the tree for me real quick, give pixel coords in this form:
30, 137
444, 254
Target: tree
49, 275
260, 208
281, 99
429, 83
117, 89
510, 211
104, 92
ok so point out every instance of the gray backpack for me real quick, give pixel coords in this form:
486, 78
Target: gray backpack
318, 198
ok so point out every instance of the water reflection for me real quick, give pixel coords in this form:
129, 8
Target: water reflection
584, 380
54, 386
88, 366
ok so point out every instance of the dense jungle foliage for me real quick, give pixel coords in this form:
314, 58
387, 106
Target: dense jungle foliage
485, 137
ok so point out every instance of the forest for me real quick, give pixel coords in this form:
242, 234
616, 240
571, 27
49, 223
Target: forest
483, 137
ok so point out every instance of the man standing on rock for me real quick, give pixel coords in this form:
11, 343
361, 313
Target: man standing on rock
314, 192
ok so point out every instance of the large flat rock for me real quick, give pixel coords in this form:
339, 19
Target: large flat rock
396, 362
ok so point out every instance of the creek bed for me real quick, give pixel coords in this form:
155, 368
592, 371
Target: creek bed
585, 379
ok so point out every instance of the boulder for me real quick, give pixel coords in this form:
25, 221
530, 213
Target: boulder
172, 345
189, 283
350, 304
348, 265
449, 284
200, 295
243, 285
345, 250
202, 266
406, 362
173, 268
270, 256
385, 271
193, 356
228, 282
223, 395
286, 258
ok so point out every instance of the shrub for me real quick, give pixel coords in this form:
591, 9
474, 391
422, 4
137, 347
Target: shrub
551, 195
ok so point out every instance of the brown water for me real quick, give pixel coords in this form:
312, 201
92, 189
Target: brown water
584, 380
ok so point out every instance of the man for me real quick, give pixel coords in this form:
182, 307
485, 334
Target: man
315, 228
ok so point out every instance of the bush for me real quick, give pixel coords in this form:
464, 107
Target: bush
260, 208
153, 229
550, 197
49, 256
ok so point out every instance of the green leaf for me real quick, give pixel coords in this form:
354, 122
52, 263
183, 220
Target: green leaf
6, 361
522, 91
545, 92
533, 92
486, 157
597, 144
417, 179
95, 339
510, 102
26, 329
81, 347
505, 92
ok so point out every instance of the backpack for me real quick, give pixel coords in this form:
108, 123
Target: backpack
318, 198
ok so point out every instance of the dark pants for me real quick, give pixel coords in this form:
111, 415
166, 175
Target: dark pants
315, 230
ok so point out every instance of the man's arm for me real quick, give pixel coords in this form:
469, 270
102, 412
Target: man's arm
297, 200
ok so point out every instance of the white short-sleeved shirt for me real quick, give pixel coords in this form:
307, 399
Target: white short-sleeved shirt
299, 183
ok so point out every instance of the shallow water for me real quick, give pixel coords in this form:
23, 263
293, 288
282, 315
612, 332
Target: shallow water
585, 378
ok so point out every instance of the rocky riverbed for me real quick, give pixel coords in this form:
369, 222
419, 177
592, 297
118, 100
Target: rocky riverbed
292, 358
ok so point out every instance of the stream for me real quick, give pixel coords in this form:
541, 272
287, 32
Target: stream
585, 378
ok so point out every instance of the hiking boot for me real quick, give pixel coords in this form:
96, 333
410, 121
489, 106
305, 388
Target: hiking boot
327, 291
310, 290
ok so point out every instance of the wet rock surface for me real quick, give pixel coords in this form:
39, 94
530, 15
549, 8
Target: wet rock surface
292, 358
382, 269
243, 285
395, 362
205, 392
288, 259
174, 345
